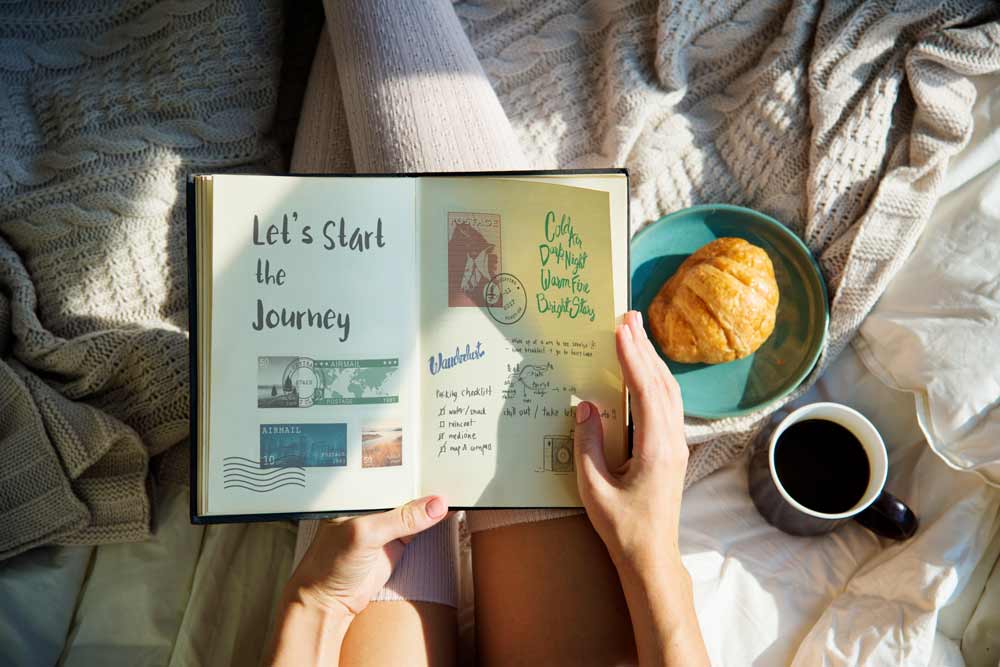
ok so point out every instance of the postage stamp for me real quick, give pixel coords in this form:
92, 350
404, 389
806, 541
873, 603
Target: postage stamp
505, 298
474, 256
301, 382
381, 446
303, 445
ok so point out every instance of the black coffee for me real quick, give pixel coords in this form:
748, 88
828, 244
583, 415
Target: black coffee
822, 465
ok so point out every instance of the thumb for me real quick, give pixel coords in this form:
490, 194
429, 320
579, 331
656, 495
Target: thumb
588, 447
405, 522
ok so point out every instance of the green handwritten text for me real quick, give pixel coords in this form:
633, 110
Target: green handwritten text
562, 261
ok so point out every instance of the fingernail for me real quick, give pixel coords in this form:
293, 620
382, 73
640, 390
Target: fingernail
435, 508
582, 412
625, 330
635, 323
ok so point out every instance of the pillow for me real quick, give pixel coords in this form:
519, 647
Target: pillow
936, 330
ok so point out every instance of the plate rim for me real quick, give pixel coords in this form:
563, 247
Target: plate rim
813, 358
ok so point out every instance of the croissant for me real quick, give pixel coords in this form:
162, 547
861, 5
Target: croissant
719, 306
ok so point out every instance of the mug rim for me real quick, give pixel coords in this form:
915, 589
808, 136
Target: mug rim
793, 417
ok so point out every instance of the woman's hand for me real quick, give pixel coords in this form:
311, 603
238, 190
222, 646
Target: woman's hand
350, 559
348, 562
636, 508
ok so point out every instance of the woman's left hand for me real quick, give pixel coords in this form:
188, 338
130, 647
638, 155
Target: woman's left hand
347, 563
350, 559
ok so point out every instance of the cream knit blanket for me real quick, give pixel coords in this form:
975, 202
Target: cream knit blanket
837, 120
103, 112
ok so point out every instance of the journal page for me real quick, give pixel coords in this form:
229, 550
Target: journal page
517, 326
312, 352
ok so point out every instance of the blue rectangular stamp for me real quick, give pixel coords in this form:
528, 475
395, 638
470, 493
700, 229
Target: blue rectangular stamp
303, 445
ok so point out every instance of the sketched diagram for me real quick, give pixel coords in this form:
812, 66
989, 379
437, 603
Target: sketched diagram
239, 472
530, 381
557, 453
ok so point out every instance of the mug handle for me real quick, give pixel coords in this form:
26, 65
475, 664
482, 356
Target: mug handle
889, 517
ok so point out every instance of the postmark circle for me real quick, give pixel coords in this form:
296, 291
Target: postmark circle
302, 381
505, 298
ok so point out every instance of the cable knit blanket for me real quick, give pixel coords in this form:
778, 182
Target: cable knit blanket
836, 119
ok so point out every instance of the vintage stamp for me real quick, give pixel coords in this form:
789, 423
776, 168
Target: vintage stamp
303, 445
301, 382
505, 298
474, 256
381, 446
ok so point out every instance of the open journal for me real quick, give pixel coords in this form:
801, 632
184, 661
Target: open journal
360, 341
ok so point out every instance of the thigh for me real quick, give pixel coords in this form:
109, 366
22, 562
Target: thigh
548, 593
401, 633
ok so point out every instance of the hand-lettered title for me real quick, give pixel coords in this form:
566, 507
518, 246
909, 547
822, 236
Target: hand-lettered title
332, 235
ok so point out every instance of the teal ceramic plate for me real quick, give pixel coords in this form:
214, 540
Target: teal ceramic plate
785, 359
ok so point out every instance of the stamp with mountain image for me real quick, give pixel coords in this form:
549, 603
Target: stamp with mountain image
474, 256
381, 446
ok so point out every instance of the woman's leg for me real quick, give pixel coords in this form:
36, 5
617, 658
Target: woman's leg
546, 593
402, 633
421, 103
413, 620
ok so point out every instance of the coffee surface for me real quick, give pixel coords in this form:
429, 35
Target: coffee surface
822, 465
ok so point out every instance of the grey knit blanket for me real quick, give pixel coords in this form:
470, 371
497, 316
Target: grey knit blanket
836, 118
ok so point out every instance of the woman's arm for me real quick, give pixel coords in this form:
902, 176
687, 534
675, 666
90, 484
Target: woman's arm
661, 605
347, 563
636, 508
307, 633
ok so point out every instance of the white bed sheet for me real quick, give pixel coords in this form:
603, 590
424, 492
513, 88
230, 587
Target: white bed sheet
767, 598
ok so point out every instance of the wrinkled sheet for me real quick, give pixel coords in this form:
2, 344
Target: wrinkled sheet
767, 598
936, 330
189, 596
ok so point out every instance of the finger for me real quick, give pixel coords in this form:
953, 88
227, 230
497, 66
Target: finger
621, 334
645, 346
639, 378
633, 319
651, 423
403, 522
588, 448
670, 401
653, 358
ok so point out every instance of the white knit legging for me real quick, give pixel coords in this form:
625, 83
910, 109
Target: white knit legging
378, 104
428, 571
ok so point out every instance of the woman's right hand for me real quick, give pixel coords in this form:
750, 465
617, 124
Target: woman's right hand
636, 508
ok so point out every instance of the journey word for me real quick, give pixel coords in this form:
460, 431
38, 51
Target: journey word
333, 234
297, 319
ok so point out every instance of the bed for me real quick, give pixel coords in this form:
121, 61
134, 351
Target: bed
197, 595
